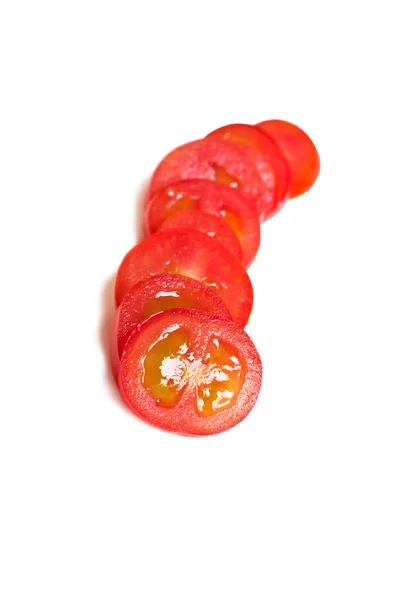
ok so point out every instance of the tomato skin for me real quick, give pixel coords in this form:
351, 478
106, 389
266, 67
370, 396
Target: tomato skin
183, 419
158, 293
299, 151
194, 254
113, 346
210, 224
212, 198
262, 143
218, 160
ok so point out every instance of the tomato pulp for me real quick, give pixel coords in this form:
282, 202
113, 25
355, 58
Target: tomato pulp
212, 198
232, 164
299, 151
194, 254
158, 293
268, 152
189, 372
212, 225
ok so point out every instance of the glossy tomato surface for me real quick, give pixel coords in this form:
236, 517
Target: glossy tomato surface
194, 254
212, 198
212, 225
190, 373
299, 151
270, 153
158, 293
235, 165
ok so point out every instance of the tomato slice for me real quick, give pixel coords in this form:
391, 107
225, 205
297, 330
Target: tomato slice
212, 225
189, 372
194, 254
299, 151
235, 165
212, 198
269, 151
158, 293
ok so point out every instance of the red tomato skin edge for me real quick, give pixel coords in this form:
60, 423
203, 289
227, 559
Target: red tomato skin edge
248, 394
114, 350
265, 126
113, 347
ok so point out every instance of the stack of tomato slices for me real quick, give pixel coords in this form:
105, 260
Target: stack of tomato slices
178, 350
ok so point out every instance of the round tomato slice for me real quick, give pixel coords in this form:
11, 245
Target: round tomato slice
212, 225
189, 372
158, 293
235, 165
269, 151
212, 198
194, 254
299, 151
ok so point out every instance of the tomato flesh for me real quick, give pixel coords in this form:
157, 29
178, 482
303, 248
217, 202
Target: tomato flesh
229, 163
221, 377
194, 254
212, 225
268, 150
189, 372
158, 293
212, 198
166, 368
299, 151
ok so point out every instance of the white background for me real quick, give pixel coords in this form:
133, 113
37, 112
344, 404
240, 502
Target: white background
299, 501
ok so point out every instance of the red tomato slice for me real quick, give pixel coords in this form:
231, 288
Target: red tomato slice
158, 293
269, 151
194, 254
299, 151
212, 198
235, 165
212, 225
189, 372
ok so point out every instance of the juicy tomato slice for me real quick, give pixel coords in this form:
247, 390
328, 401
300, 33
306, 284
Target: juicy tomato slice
299, 151
189, 372
269, 151
212, 225
229, 163
158, 293
194, 254
212, 198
